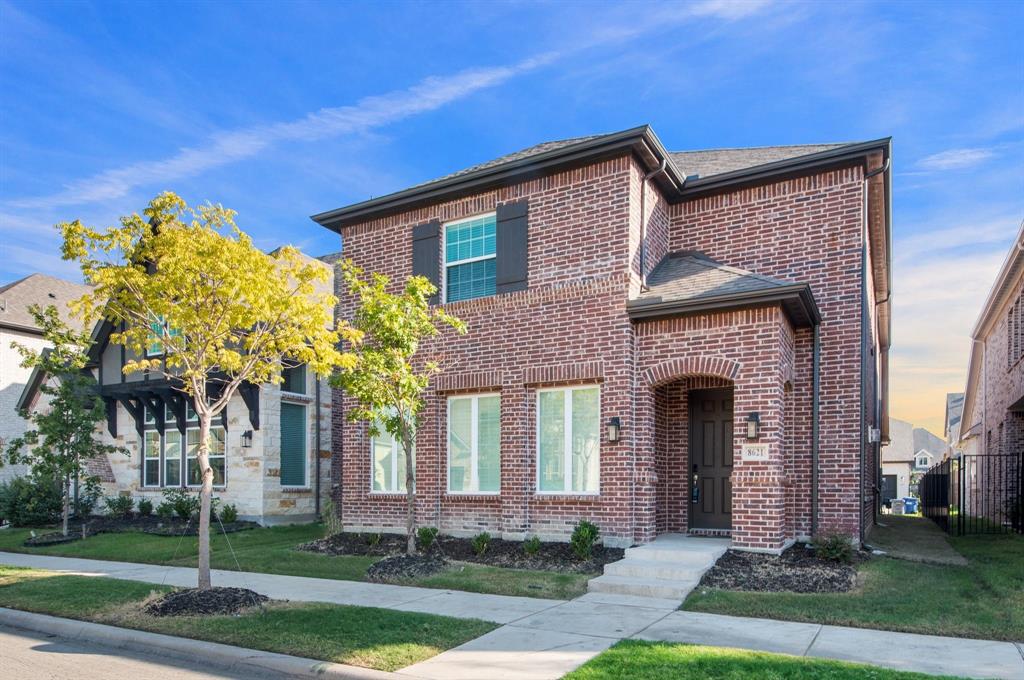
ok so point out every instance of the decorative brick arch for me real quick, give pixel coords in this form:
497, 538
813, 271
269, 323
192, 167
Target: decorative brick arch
670, 371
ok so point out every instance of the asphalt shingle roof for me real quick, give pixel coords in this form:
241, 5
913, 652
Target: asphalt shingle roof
42, 290
691, 276
711, 162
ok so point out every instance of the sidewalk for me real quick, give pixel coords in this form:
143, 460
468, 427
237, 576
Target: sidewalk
544, 639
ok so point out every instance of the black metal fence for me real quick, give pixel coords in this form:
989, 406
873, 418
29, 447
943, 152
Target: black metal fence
976, 494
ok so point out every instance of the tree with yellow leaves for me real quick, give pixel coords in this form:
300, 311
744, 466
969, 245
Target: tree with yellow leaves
222, 311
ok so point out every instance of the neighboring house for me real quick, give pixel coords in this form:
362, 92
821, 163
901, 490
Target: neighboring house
633, 314
908, 455
17, 325
992, 426
270, 449
954, 413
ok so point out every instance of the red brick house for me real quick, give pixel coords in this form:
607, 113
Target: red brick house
658, 342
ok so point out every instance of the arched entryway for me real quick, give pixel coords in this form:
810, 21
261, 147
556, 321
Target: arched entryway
693, 443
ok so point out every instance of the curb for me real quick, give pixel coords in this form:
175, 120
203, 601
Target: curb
224, 657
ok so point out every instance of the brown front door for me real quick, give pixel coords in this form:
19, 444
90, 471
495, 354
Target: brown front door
710, 459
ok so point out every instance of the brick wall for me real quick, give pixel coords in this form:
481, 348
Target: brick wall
570, 327
806, 230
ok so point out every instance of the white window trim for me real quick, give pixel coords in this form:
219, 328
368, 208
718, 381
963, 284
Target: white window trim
445, 264
163, 457
394, 469
306, 485
474, 454
159, 459
567, 452
186, 457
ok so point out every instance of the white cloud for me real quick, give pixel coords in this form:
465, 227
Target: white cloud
955, 159
728, 9
930, 242
227, 147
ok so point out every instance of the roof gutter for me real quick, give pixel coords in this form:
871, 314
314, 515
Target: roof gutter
640, 140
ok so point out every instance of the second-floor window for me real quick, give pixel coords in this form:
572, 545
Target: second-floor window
469, 258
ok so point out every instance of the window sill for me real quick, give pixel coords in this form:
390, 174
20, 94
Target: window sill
296, 397
472, 496
567, 495
384, 494
296, 489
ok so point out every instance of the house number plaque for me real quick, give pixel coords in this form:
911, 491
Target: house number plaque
754, 451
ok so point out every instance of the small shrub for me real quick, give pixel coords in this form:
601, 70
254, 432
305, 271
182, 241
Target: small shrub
31, 501
165, 510
330, 518
531, 546
89, 494
584, 536
480, 543
426, 537
834, 546
145, 507
120, 506
183, 503
229, 513
373, 540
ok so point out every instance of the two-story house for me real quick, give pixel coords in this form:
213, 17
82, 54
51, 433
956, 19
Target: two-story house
658, 342
270, 448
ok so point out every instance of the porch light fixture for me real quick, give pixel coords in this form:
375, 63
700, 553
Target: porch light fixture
753, 425
247, 439
613, 429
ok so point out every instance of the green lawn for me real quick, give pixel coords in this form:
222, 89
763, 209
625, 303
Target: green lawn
984, 599
667, 661
360, 636
271, 550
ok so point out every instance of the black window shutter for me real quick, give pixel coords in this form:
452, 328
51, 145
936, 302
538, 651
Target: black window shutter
426, 255
511, 265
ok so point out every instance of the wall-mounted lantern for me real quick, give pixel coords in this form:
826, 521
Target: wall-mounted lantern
247, 439
614, 424
753, 425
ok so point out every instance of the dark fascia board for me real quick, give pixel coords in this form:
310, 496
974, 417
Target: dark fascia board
30, 392
639, 140
797, 300
31, 330
791, 166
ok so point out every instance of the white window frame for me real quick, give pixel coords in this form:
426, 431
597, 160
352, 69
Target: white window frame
395, 472
474, 454
567, 452
186, 457
306, 456
159, 459
444, 251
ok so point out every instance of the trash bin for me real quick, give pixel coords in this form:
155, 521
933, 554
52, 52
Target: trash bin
897, 506
910, 505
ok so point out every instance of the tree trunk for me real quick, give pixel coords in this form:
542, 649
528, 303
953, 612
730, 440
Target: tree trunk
410, 495
205, 501
66, 488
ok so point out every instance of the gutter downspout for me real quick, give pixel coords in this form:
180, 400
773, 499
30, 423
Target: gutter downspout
643, 221
316, 454
815, 414
865, 320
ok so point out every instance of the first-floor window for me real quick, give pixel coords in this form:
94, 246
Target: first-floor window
474, 444
293, 444
388, 463
216, 454
568, 439
151, 458
172, 458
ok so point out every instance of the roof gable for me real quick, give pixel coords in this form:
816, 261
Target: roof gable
38, 289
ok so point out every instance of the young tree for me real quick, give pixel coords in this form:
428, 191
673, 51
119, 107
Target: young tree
62, 438
388, 378
221, 311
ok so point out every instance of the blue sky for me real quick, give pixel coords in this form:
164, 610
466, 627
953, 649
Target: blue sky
284, 110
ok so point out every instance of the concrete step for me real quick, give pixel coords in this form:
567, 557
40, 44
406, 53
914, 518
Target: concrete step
641, 587
682, 555
657, 569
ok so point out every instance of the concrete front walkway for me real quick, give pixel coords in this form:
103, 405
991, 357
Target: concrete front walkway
544, 639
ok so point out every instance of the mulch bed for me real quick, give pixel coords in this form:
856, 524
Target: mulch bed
557, 557
797, 570
54, 538
405, 566
195, 602
153, 524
